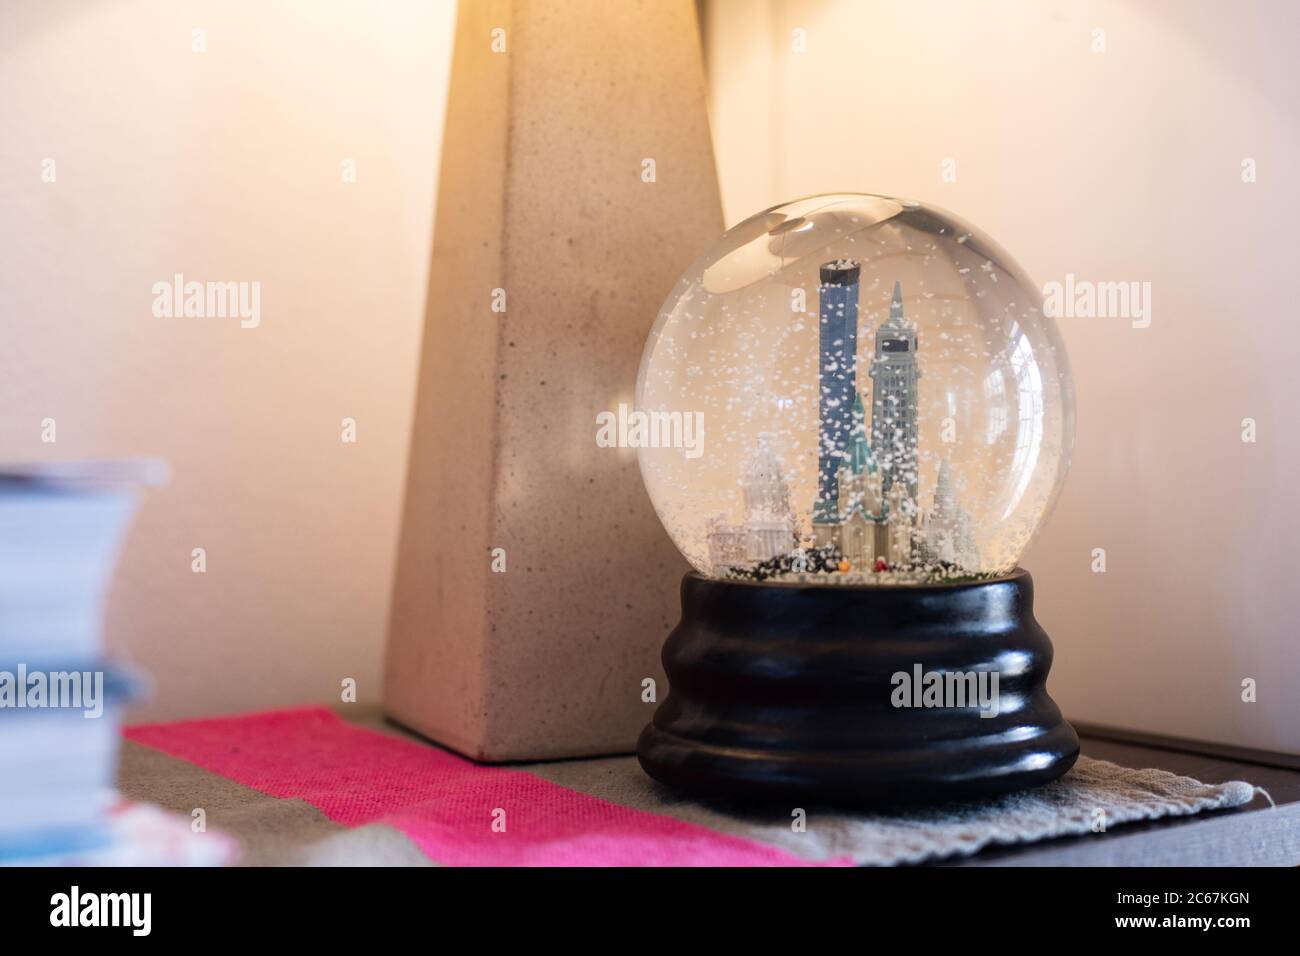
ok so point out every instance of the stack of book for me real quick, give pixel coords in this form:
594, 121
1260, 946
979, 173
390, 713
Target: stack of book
61, 701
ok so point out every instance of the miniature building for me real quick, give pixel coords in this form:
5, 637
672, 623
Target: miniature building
947, 528
866, 507
862, 527
836, 372
900, 520
769, 527
727, 544
893, 398
769, 522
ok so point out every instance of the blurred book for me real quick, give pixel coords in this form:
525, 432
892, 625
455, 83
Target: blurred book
61, 703
58, 754
61, 526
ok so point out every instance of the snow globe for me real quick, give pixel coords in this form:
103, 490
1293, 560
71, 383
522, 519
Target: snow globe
852, 417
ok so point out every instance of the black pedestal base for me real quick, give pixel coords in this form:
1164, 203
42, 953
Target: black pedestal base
781, 691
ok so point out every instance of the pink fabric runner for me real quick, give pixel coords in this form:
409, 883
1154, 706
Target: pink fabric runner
444, 803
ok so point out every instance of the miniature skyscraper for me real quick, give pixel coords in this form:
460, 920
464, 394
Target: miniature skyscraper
837, 376
893, 396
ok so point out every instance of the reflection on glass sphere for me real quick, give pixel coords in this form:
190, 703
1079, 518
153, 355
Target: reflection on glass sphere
853, 389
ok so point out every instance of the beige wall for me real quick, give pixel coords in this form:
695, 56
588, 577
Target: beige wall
226, 165
1122, 165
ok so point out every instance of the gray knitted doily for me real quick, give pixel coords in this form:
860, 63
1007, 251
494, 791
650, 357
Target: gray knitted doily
1095, 794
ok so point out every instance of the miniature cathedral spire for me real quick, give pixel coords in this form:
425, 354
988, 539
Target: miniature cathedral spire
860, 458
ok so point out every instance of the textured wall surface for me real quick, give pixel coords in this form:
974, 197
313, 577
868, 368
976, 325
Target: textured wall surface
544, 197
1104, 140
226, 164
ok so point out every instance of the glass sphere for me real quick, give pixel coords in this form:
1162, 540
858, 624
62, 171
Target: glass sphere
853, 389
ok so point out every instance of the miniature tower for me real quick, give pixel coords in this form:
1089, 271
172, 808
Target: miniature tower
837, 375
893, 398
941, 526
